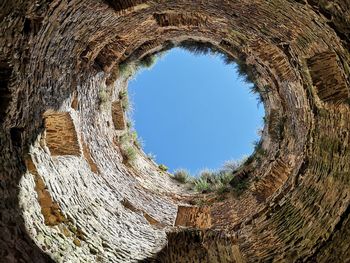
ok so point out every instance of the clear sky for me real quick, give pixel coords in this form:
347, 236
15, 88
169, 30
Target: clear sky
194, 112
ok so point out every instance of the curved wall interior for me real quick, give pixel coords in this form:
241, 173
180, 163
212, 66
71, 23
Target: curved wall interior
68, 190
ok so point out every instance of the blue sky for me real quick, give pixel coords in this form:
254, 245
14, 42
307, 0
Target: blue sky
194, 112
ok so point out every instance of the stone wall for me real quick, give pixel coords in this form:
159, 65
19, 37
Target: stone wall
67, 196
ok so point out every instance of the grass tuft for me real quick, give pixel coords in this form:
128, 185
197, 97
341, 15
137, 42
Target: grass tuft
239, 185
123, 96
127, 70
151, 156
202, 186
129, 154
163, 167
197, 48
102, 98
222, 182
181, 175
148, 61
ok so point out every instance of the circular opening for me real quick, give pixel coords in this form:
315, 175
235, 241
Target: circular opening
193, 111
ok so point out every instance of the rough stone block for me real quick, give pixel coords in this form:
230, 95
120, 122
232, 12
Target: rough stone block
121, 5
118, 115
275, 59
193, 216
272, 181
61, 137
328, 78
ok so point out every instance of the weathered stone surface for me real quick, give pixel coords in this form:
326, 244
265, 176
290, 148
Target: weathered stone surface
192, 216
118, 115
5, 97
328, 78
179, 19
121, 5
68, 196
88, 158
60, 134
272, 181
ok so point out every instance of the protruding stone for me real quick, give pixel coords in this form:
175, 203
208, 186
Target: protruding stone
193, 216
60, 134
328, 78
118, 115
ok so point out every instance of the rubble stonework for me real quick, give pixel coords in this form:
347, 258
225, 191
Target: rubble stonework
66, 194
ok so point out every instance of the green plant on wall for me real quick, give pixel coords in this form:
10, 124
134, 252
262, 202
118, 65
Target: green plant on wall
181, 175
124, 98
127, 69
148, 61
221, 182
202, 186
103, 98
163, 167
151, 156
239, 185
127, 147
129, 154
